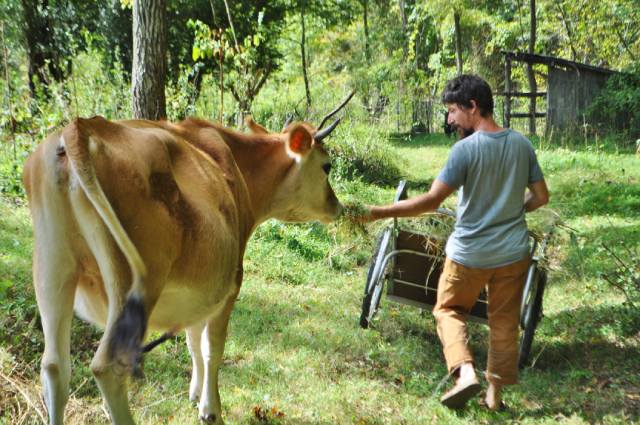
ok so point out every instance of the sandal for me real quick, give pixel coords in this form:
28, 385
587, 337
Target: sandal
457, 397
501, 407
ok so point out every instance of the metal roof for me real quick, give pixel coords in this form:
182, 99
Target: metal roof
555, 62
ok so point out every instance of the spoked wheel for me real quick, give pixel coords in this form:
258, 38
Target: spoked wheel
531, 310
375, 279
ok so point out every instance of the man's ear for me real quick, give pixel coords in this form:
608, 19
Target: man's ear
300, 141
474, 106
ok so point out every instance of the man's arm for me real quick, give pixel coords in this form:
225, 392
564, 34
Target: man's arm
537, 196
414, 206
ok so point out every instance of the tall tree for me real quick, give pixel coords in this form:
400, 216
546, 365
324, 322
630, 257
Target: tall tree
458, 35
303, 55
246, 34
44, 61
403, 17
365, 22
533, 88
149, 59
367, 54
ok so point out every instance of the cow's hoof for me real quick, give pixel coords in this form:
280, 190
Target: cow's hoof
208, 419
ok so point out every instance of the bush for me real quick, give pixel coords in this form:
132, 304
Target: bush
360, 151
617, 107
11, 177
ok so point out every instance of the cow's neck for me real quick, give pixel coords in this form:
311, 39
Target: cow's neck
264, 165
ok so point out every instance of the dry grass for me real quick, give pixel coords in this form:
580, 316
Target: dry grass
349, 221
21, 400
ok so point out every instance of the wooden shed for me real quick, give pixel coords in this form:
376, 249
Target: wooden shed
571, 88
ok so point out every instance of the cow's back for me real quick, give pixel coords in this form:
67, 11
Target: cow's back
184, 211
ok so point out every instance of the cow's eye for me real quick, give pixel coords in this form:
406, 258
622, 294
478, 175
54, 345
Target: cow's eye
327, 168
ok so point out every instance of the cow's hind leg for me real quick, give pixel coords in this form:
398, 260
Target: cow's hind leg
55, 282
112, 381
110, 375
194, 343
212, 346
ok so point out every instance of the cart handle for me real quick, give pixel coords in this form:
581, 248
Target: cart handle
401, 191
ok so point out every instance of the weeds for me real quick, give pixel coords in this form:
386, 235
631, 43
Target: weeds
626, 275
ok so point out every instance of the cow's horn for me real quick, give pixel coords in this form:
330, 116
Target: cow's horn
287, 122
324, 133
335, 111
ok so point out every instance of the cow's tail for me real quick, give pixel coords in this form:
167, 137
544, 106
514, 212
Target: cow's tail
130, 327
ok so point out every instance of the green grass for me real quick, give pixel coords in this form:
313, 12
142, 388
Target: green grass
295, 347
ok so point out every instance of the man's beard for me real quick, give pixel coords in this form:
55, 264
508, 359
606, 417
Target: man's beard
463, 132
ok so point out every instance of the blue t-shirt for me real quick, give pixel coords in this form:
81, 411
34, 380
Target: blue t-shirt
492, 171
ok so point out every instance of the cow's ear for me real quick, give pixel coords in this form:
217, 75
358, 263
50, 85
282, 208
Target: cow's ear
299, 141
254, 126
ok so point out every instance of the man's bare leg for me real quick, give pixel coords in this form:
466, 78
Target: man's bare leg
493, 398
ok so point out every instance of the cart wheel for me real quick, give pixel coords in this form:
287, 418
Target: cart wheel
532, 312
375, 279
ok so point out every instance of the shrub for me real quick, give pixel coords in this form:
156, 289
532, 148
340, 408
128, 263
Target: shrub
360, 151
617, 107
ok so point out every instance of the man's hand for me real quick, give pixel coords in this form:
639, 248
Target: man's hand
537, 196
365, 216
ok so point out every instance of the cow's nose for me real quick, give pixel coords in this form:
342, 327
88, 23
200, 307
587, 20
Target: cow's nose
336, 212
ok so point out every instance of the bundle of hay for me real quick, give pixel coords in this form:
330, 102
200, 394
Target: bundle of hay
349, 221
434, 229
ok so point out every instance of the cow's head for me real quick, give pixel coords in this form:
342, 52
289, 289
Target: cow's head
306, 190
305, 194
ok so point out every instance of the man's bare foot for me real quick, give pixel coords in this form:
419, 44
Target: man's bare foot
493, 399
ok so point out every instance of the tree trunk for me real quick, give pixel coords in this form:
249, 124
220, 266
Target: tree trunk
251, 89
41, 51
456, 21
367, 55
568, 29
365, 18
507, 90
403, 15
530, 75
304, 60
405, 52
5, 62
149, 59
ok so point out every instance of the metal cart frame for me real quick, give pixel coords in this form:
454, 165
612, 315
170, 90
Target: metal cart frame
406, 262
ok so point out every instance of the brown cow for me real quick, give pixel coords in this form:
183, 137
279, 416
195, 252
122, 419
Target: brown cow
143, 225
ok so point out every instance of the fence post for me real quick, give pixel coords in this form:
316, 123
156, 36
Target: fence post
506, 120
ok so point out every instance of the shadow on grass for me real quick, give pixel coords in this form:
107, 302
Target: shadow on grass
586, 365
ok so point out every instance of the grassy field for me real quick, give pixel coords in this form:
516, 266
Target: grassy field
296, 355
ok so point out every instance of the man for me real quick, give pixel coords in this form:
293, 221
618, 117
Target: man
489, 246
